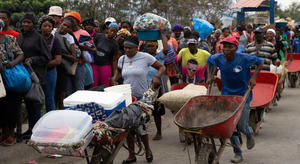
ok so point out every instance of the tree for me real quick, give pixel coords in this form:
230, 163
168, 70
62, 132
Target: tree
19, 7
292, 11
212, 11
176, 11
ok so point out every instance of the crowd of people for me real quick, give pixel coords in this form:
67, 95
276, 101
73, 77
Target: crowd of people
70, 54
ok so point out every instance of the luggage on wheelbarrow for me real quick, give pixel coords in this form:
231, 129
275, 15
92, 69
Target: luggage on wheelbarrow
64, 132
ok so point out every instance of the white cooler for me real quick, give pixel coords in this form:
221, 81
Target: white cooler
124, 88
63, 132
110, 101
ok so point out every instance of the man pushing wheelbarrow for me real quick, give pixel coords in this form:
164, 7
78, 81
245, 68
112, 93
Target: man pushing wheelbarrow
236, 79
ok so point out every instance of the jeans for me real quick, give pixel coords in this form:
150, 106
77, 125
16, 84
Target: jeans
76, 82
244, 127
49, 89
34, 112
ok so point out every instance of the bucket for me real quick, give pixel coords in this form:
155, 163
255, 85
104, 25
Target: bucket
151, 34
124, 88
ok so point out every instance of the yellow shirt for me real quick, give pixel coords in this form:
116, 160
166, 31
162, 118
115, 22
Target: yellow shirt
185, 55
201, 56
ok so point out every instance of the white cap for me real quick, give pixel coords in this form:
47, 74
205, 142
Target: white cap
56, 10
110, 19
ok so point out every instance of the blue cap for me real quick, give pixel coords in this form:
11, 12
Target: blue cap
115, 25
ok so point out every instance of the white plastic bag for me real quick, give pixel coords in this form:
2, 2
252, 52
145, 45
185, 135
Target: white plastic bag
2, 89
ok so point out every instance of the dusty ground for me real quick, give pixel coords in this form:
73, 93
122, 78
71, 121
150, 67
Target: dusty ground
277, 143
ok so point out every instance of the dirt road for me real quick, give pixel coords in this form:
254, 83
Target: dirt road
277, 143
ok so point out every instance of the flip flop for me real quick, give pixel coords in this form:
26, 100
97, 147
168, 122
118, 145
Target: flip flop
129, 161
157, 137
149, 158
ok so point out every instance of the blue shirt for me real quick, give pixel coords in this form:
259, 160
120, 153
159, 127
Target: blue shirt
235, 74
161, 57
241, 49
296, 45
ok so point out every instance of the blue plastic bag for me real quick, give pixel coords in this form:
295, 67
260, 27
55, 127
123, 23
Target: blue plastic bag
203, 27
89, 75
17, 78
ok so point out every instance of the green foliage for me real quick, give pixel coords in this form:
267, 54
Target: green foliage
292, 11
176, 11
19, 7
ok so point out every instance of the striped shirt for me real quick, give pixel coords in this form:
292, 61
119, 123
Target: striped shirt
267, 52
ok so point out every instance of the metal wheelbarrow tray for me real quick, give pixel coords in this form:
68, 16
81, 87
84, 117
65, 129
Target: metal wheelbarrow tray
263, 94
211, 116
294, 69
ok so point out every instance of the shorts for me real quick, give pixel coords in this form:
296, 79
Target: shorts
159, 109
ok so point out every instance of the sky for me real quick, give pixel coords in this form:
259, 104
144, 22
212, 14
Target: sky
285, 3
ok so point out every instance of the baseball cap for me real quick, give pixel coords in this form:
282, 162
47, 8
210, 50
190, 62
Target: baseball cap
192, 41
258, 30
110, 19
231, 40
56, 10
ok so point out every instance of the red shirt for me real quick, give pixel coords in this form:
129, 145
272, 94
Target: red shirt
10, 32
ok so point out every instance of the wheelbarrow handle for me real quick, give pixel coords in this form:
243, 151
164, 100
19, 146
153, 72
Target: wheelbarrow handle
209, 88
246, 95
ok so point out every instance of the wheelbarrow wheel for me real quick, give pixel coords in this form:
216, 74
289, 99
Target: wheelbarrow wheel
100, 155
256, 117
206, 154
292, 79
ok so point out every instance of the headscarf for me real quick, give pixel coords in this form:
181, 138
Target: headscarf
124, 31
177, 27
88, 21
154, 43
29, 16
272, 30
113, 24
219, 30
187, 27
192, 40
75, 15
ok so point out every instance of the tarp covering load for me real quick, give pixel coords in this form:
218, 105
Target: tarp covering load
150, 21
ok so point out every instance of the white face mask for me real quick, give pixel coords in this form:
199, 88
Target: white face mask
1, 25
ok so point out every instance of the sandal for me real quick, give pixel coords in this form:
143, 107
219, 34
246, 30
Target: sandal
129, 161
2, 139
10, 141
149, 158
157, 137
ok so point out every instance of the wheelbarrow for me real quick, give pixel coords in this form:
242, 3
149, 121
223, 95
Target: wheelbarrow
294, 69
206, 118
263, 94
107, 148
